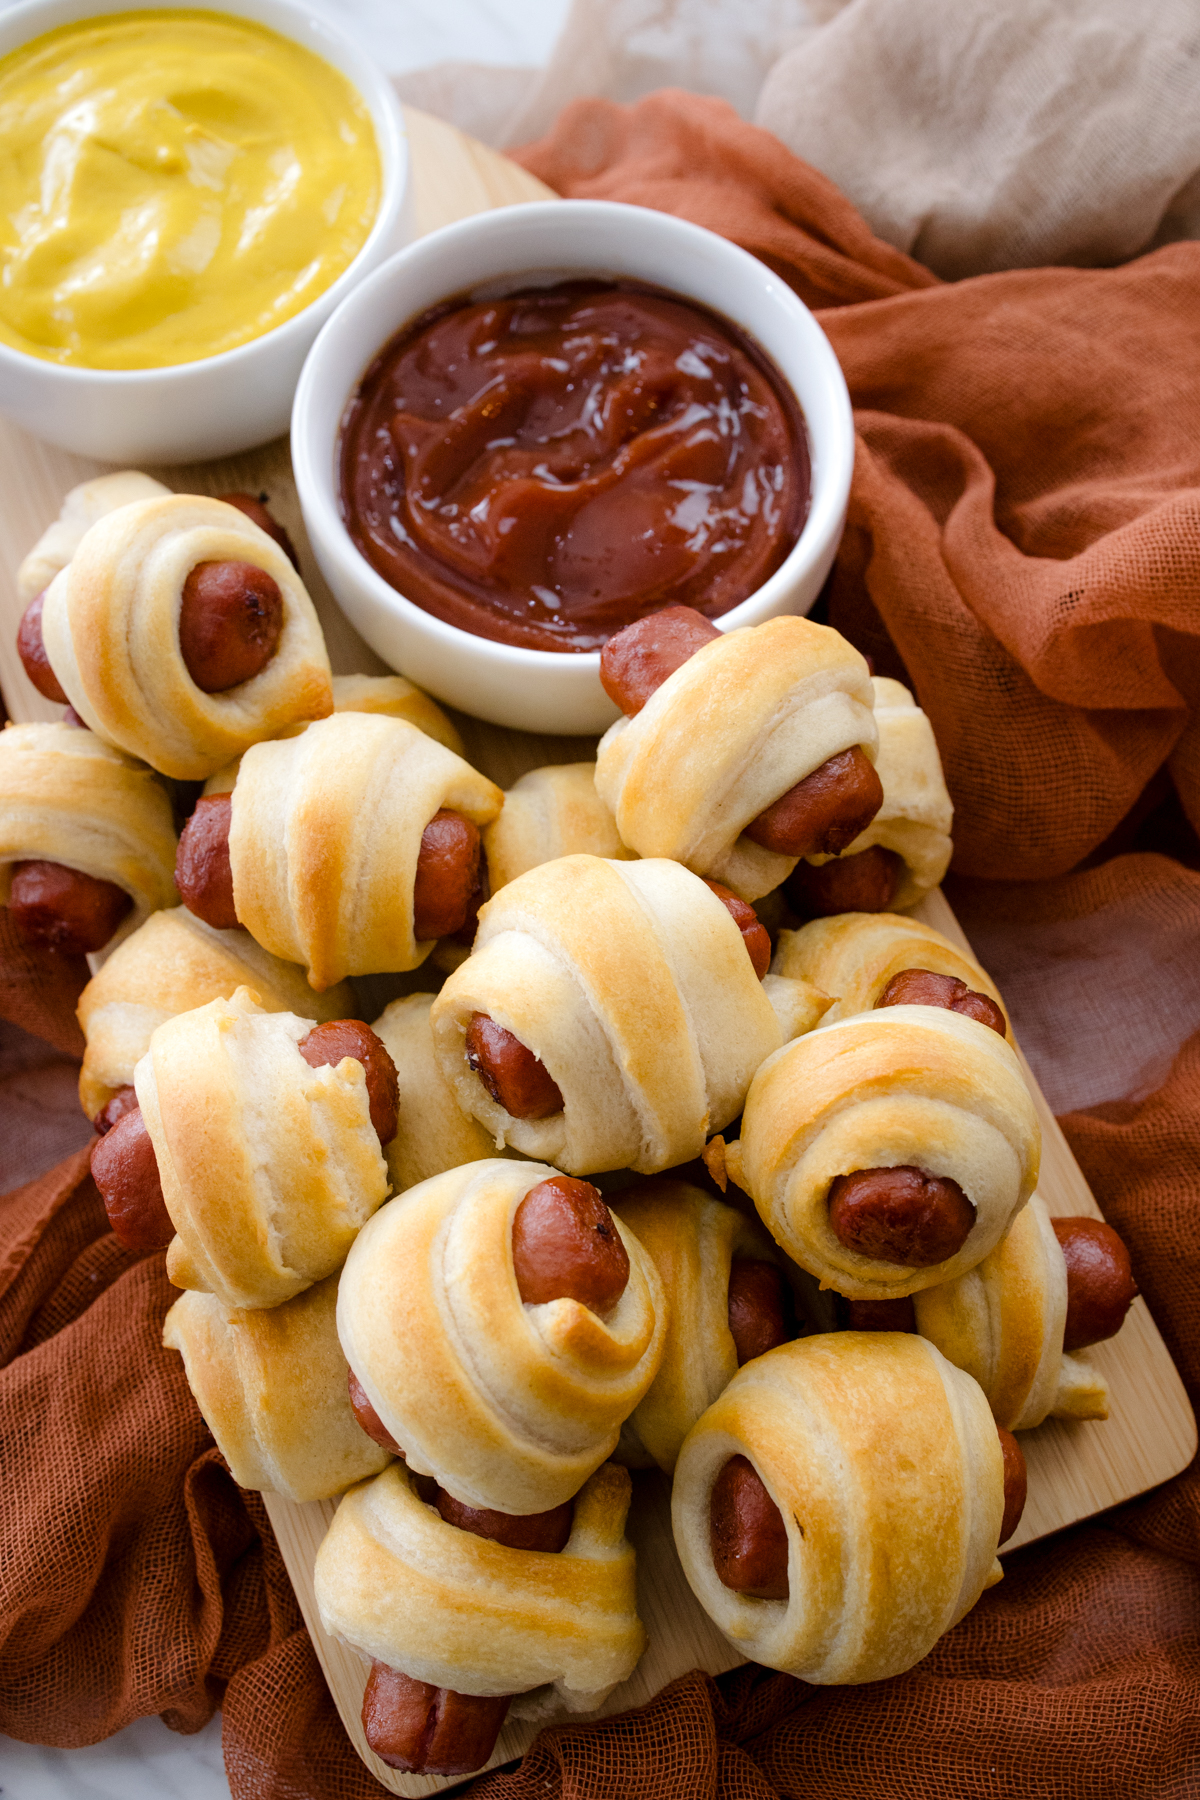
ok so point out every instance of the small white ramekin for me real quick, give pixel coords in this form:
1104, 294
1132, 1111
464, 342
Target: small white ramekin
241, 397
542, 690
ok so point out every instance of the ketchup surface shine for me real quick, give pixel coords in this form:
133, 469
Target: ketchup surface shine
547, 467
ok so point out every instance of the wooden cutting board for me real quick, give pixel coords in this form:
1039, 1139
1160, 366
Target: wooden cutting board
1074, 1470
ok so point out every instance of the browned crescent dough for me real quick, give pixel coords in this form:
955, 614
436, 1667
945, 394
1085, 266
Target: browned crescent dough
507, 1405
744, 719
884, 1461
397, 1583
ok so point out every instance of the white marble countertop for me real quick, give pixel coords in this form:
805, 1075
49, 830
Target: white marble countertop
146, 1761
143, 1762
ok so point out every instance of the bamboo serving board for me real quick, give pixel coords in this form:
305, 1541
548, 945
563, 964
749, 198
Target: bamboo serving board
1074, 1470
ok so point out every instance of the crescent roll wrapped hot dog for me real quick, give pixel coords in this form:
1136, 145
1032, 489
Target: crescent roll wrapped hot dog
870, 960
173, 964
272, 1387
87, 842
727, 1301
610, 1015
1006, 1321
550, 813
840, 1505
754, 751
890, 1151
906, 849
502, 1326
351, 848
269, 1162
181, 632
433, 1134
430, 1602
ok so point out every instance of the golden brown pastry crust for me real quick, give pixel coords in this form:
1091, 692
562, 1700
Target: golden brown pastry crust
549, 813
66, 797
269, 1167
81, 508
632, 984
110, 623
172, 964
1003, 1323
397, 1583
853, 956
724, 737
506, 1405
272, 1385
692, 1239
917, 812
434, 1134
884, 1461
909, 1085
325, 836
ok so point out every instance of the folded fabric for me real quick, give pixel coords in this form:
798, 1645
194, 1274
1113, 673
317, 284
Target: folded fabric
975, 137
1024, 535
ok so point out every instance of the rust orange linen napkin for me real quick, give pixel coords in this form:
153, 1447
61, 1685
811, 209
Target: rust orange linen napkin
1024, 542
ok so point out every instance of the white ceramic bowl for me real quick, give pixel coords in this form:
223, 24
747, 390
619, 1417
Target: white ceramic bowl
542, 690
241, 397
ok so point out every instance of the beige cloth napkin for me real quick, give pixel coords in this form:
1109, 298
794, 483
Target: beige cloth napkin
973, 134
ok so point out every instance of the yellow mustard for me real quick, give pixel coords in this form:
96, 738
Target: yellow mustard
172, 184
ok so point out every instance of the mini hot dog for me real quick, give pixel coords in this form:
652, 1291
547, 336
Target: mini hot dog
514, 1077
1016, 1483
202, 871
414, 1726
866, 882
368, 1418
610, 1014
748, 1536
835, 1134
57, 908
1100, 1283
754, 934
819, 815
32, 650
565, 1246
230, 623
900, 1215
125, 1170
760, 1308
921, 987
906, 848
447, 884
431, 1703
327, 1044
